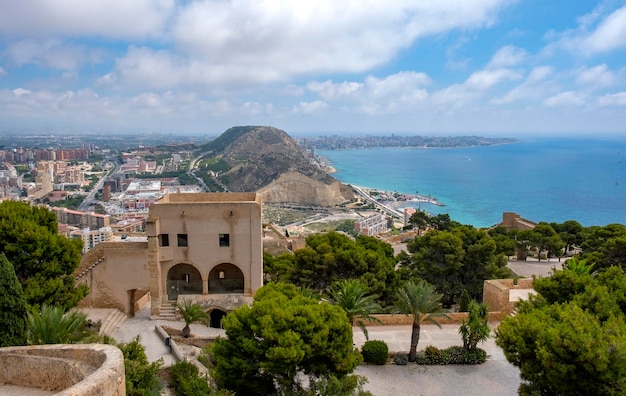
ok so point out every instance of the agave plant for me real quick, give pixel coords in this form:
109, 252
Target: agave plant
52, 325
191, 313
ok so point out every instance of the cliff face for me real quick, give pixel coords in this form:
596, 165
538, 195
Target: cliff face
267, 160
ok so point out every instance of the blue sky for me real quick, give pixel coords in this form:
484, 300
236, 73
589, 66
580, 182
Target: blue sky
454, 67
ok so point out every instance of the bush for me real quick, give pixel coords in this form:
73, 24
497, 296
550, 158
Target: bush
452, 355
141, 375
206, 356
187, 381
375, 351
401, 359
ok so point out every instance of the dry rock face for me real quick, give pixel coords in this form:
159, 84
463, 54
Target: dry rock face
268, 160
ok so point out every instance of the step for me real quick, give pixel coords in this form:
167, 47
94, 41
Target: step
112, 323
168, 311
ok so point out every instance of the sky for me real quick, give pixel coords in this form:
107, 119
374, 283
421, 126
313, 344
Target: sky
428, 67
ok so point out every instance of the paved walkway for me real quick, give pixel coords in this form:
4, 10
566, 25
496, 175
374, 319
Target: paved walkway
496, 376
531, 266
143, 326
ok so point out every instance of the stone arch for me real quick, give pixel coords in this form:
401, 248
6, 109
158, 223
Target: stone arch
215, 317
183, 279
226, 278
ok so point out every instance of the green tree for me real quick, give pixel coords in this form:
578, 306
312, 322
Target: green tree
570, 344
420, 219
476, 328
480, 261
191, 313
333, 257
422, 303
505, 243
44, 261
545, 239
281, 337
52, 325
438, 257
570, 232
141, 375
277, 268
13, 312
352, 297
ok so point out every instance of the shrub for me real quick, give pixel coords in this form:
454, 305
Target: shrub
452, 355
206, 356
476, 328
401, 359
375, 351
141, 375
187, 381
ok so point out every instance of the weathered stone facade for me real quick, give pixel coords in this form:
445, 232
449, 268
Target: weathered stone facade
200, 246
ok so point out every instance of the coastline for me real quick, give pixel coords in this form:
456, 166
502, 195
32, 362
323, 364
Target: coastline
394, 200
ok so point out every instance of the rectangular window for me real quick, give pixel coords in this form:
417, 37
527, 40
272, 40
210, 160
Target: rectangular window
224, 239
182, 240
164, 240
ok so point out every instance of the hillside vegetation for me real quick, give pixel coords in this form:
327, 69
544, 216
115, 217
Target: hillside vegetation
268, 160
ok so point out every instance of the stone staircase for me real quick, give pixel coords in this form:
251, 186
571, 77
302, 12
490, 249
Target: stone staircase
111, 324
168, 310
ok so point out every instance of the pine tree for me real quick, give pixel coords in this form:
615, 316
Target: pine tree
13, 313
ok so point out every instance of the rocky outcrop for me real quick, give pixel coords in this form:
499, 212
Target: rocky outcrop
294, 187
268, 160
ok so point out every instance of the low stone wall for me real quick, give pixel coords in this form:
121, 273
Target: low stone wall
77, 370
497, 292
454, 318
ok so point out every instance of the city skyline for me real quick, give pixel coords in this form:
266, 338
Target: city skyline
479, 67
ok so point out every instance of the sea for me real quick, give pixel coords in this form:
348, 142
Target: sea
541, 179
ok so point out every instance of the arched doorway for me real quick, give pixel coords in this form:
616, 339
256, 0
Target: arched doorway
216, 317
225, 278
183, 279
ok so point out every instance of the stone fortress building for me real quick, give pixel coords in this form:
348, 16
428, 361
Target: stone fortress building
204, 247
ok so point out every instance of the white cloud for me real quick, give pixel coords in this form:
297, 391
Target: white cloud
616, 99
600, 31
255, 108
599, 76
486, 79
2, 72
508, 56
532, 88
21, 92
51, 53
332, 91
568, 98
610, 34
314, 107
375, 95
261, 41
102, 18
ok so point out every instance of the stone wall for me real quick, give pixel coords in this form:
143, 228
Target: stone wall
77, 370
123, 269
497, 293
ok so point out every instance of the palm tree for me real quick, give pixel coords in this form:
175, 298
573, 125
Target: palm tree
191, 313
352, 297
52, 325
421, 302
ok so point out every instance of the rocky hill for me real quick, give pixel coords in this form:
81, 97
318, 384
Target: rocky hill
267, 160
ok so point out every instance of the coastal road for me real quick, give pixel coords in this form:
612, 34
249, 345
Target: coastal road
387, 209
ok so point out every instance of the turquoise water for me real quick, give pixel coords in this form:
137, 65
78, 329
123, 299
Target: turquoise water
541, 179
